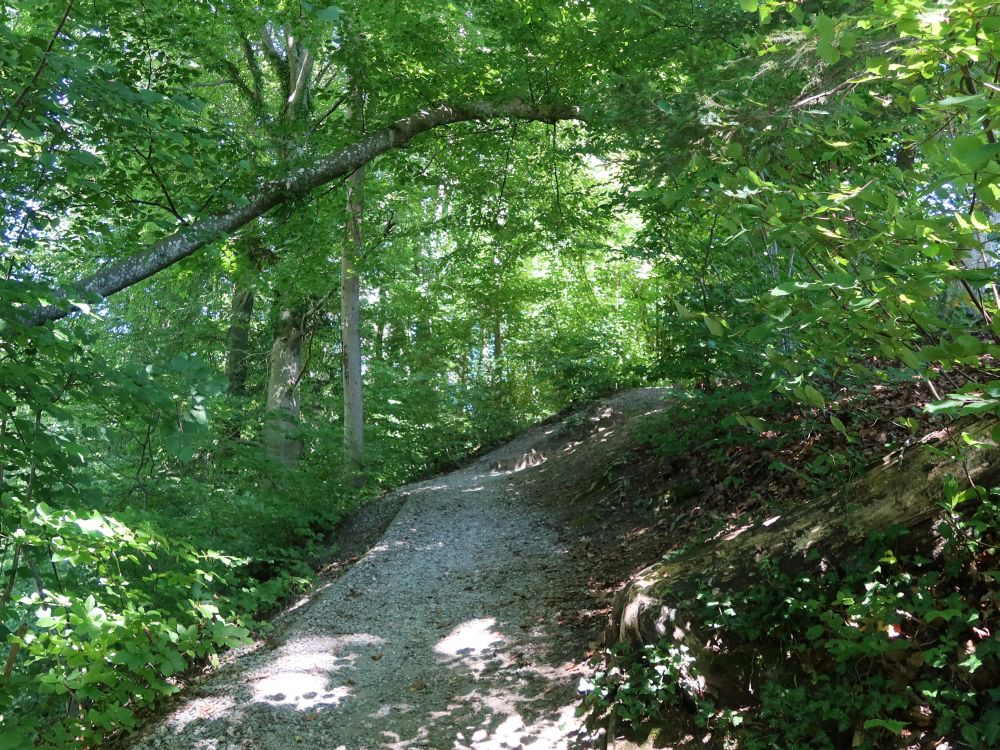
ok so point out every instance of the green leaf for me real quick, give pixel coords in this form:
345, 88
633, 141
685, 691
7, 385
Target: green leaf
825, 27
813, 397
894, 727
96, 524
962, 101
838, 425
684, 312
714, 326
972, 152
16, 739
330, 13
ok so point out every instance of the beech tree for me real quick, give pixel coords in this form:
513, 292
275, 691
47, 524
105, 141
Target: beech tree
517, 206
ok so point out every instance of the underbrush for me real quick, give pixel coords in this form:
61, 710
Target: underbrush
106, 612
143, 530
750, 447
889, 649
895, 647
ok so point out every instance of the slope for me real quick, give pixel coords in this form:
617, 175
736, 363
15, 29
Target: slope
460, 628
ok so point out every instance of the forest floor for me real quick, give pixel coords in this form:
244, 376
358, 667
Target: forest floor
467, 625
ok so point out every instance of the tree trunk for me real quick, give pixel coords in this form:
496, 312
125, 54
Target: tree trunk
497, 349
282, 440
350, 327
238, 351
380, 341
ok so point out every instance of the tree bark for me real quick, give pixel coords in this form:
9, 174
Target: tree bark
295, 184
238, 350
350, 328
497, 349
282, 441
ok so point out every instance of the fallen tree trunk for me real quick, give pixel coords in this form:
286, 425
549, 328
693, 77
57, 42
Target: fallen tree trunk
905, 491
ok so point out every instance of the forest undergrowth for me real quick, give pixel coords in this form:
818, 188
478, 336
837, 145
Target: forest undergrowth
894, 645
262, 262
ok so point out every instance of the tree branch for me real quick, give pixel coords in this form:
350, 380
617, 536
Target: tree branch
296, 184
21, 100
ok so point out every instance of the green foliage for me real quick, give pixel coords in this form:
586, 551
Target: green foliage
120, 611
100, 614
770, 200
641, 683
879, 651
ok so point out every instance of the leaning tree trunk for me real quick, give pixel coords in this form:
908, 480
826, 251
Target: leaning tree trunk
296, 183
350, 327
282, 439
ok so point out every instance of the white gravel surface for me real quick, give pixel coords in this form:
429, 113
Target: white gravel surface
443, 636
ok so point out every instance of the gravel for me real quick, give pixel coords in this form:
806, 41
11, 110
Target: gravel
445, 635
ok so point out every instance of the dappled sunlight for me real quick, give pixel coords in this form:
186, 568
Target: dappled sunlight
299, 690
421, 489
201, 709
516, 463
731, 535
469, 638
300, 673
500, 720
302, 601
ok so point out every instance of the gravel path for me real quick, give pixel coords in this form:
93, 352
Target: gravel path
445, 635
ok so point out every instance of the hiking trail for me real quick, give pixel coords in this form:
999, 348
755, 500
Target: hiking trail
448, 634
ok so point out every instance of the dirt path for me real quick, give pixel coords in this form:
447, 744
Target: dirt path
448, 634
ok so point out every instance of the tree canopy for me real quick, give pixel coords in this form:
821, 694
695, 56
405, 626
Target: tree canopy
529, 202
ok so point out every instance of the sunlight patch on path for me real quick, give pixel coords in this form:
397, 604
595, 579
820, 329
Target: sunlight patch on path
470, 637
300, 674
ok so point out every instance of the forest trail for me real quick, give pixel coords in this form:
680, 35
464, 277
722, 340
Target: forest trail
449, 633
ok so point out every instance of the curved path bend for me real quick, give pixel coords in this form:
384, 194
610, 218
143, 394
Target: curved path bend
448, 634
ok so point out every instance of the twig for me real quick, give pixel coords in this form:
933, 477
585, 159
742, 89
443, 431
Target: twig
20, 101
12, 656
